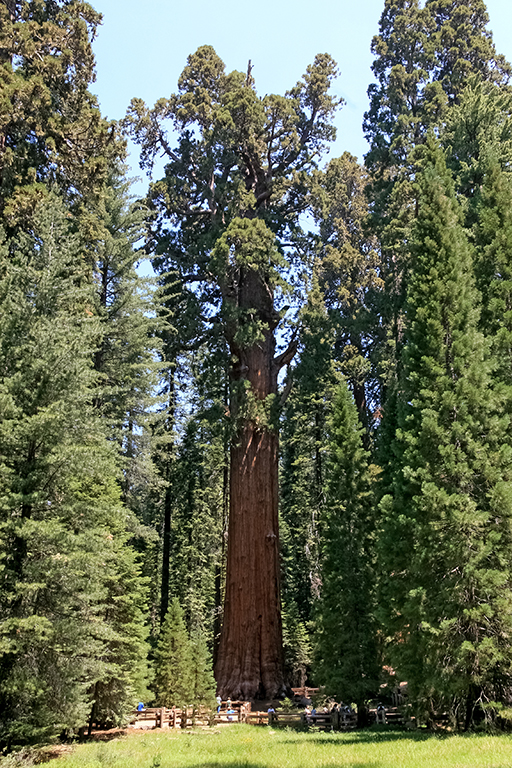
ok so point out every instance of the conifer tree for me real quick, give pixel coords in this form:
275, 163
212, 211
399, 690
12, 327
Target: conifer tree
464, 46
124, 672
297, 647
347, 269
126, 355
190, 452
312, 380
478, 136
234, 187
424, 58
198, 518
203, 681
346, 647
174, 683
65, 626
494, 270
445, 545
394, 124
395, 120
51, 130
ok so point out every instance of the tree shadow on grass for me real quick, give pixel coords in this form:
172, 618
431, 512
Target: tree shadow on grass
374, 736
243, 764
366, 737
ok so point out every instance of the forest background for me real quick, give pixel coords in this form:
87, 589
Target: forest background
119, 418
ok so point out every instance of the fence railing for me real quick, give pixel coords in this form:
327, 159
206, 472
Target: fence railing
240, 712
190, 716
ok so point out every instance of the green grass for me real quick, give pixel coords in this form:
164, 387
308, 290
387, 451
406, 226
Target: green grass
252, 747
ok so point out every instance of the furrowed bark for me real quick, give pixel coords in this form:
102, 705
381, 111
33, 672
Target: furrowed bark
249, 662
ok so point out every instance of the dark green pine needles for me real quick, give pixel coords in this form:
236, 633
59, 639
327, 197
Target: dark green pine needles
347, 659
72, 634
184, 675
446, 545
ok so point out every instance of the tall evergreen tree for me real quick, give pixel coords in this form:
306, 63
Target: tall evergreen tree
198, 524
232, 193
64, 624
346, 650
125, 359
494, 270
477, 135
464, 46
313, 380
424, 58
336, 334
447, 528
203, 681
347, 270
51, 130
394, 124
174, 683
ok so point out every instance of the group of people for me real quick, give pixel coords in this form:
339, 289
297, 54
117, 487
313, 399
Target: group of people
343, 709
229, 708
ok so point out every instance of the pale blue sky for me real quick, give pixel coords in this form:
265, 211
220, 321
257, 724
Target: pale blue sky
142, 48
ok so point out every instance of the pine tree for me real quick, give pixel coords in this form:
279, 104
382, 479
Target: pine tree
346, 649
190, 451
173, 661
464, 46
336, 335
127, 349
394, 125
445, 545
198, 519
63, 533
494, 269
395, 120
123, 657
424, 57
478, 136
203, 681
297, 648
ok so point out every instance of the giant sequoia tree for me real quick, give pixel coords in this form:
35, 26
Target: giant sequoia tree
234, 187
51, 130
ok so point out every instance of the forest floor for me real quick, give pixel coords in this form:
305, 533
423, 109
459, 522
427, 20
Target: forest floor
252, 747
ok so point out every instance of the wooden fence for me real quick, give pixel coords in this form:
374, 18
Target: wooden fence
190, 717
240, 712
325, 721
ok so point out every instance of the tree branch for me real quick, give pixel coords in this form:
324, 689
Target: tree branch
286, 392
287, 356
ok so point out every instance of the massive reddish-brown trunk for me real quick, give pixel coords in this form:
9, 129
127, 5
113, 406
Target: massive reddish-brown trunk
249, 661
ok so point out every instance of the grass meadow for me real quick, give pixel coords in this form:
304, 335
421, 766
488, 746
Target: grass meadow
252, 747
